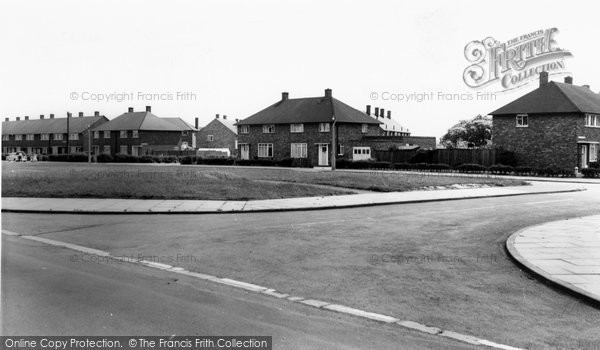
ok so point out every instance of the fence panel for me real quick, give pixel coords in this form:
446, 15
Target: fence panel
452, 157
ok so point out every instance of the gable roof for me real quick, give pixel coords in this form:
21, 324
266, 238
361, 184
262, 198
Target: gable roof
144, 121
228, 124
392, 125
49, 126
554, 97
308, 110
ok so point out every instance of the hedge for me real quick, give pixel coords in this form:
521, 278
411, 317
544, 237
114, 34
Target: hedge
591, 172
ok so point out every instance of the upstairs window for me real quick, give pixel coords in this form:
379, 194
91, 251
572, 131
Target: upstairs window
268, 129
123, 134
592, 120
74, 136
58, 137
29, 137
296, 128
135, 134
5, 138
324, 127
18, 137
107, 134
96, 134
365, 128
210, 138
522, 120
45, 137
244, 129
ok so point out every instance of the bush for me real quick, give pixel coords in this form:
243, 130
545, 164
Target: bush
125, 158
500, 169
594, 165
524, 171
75, 157
148, 159
471, 168
256, 162
187, 160
401, 166
215, 161
104, 158
506, 157
591, 172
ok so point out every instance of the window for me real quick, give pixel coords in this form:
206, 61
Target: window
592, 120
268, 129
265, 150
29, 137
522, 121
45, 137
135, 134
106, 149
74, 136
296, 128
323, 127
5, 138
594, 152
299, 150
244, 129
210, 138
123, 134
96, 134
107, 134
18, 137
340, 149
58, 137
365, 128
76, 149
361, 153
123, 150
184, 133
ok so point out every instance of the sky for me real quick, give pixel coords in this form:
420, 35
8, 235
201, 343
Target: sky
193, 59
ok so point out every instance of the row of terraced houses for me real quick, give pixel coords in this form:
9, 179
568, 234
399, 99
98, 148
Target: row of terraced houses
557, 124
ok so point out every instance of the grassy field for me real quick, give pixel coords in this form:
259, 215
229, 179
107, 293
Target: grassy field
69, 180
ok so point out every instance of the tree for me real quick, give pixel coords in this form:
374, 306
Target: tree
476, 132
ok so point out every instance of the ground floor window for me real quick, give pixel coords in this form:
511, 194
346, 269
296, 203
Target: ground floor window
361, 153
123, 150
106, 149
76, 149
594, 152
244, 151
340, 149
265, 150
299, 150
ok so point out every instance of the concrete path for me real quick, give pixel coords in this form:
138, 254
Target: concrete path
139, 206
565, 252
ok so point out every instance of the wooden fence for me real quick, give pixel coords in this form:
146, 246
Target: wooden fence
452, 157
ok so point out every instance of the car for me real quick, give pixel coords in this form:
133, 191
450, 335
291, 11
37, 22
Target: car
17, 157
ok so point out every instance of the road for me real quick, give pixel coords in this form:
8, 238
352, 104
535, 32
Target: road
44, 293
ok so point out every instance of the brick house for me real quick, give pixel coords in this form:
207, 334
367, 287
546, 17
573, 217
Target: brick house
556, 125
142, 133
302, 128
394, 135
219, 135
49, 135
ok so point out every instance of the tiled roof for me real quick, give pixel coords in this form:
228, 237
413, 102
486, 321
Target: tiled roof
308, 110
391, 125
144, 121
49, 126
181, 123
228, 124
554, 97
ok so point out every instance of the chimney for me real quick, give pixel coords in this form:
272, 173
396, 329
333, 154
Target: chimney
224, 116
327, 92
217, 116
18, 118
543, 78
26, 117
80, 114
569, 80
196, 123
376, 112
236, 120
389, 114
382, 113
96, 113
586, 86
130, 110
285, 96
148, 109
51, 116
6, 119
368, 109
69, 115
41, 116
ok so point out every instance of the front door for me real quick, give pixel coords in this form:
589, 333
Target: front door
584, 156
135, 151
323, 155
245, 151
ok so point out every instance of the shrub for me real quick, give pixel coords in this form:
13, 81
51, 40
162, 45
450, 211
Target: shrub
524, 170
506, 157
594, 165
591, 172
104, 158
148, 159
500, 169
215, 161
75, 157
438, 167
256, 162
125, 158
401, 166
470, 168
187, 160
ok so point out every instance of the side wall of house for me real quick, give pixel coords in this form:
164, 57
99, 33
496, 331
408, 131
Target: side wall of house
222, 137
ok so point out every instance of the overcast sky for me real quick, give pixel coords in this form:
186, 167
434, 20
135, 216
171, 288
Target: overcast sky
237, 57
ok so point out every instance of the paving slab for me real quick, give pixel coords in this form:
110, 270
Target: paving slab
565, 252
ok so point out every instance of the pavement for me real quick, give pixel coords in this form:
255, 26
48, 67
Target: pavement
564, 252
145, 206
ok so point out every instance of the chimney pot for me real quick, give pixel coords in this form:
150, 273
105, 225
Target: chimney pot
368, 109
236, 120
382, 113
6, 119
327, 92
389, 114
224, 116
586, 86
26, 117
69, 115
80, 114
376, 112
18, 118
148, 108
130, 110
51, 116
196, 123
569, 80
41, 116
285, 96
96, 113
217, 116
543, 78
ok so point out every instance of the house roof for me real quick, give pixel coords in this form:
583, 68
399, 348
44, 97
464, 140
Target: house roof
308, 110
554, 97
144, 121
228, 124
391, 125
49, 126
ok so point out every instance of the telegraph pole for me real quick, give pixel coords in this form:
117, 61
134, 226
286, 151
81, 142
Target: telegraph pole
333, 144
68, 134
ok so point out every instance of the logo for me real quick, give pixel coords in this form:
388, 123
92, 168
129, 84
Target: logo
515, 63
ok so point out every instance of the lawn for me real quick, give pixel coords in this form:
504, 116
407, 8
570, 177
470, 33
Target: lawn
146, 181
